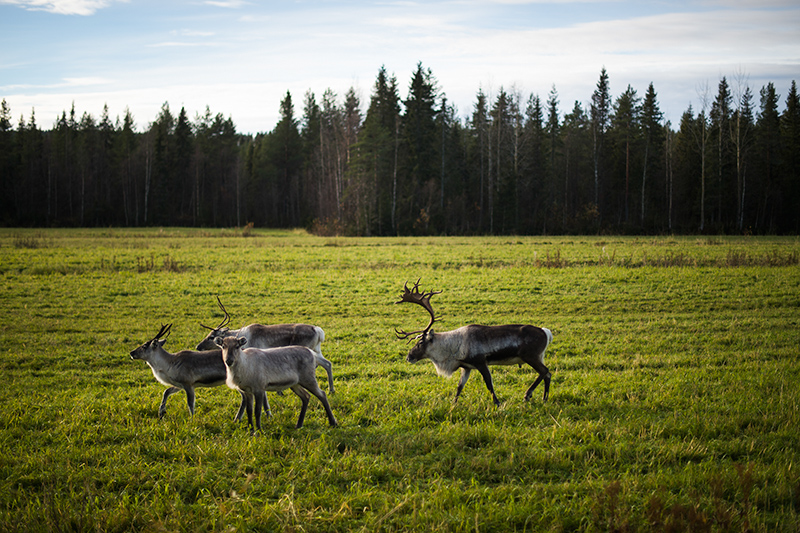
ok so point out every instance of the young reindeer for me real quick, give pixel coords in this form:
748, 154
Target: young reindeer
184, 370
476, 347
273, 336
253, 371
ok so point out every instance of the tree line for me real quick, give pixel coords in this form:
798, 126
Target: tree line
516, 165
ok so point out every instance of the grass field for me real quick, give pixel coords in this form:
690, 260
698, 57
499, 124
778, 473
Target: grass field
674, 405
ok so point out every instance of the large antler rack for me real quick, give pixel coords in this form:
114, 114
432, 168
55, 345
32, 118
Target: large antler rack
414, 296
225, 320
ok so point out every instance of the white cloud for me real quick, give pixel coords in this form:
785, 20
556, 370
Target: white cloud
61, 7
229, 4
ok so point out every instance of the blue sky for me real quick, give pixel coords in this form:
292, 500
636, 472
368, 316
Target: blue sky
239, 57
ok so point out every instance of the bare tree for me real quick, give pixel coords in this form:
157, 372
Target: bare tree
741, 129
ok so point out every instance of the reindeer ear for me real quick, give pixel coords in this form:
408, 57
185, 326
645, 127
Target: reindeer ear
161, 342
218, 341
242, 341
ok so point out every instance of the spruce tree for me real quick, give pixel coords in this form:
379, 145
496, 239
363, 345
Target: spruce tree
653, 132
790, 142
600, 114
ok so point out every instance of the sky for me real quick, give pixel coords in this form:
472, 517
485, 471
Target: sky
240, 57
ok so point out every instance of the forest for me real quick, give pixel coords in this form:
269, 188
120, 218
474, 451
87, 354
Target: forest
517, 164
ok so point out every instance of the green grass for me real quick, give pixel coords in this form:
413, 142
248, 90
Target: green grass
674, 403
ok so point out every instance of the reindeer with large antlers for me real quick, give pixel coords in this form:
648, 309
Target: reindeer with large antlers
272, 336
477, 347
184, 370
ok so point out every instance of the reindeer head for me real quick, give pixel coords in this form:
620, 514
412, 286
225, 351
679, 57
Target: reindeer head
424, 336
230, 348
219, 332
143, 351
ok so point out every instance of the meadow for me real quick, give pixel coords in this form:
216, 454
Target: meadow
674, 404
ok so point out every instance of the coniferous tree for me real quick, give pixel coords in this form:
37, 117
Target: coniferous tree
286, 151
769, 149
600, 114
87, 167
536, 189
30, 176
158, 180
790, 143
480, 129
625, 123
741, 136
653, 132
358, 207
558, 180
687, 164
124, 165
417, 191
185, 193
581, 214
7, 163
312, 166
377, 154
721, 127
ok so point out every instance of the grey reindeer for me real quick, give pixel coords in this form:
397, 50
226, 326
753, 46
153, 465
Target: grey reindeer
476, 347
184, 370
253, 371
272, 336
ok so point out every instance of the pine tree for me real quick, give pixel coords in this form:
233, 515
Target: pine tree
480, 128
790, 142
536, 191
769, 149
286, 150
553, 147
600, 114
625, 124
158, 180
312, 166
7, 163
123, 167
651, 117
720, 116
420, 151
580, 212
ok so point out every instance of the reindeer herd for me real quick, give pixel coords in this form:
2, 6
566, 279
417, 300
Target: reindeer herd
259, 358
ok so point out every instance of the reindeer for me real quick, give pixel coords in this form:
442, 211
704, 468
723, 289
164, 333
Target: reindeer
184, 370
252, 371
476, 347
261, 336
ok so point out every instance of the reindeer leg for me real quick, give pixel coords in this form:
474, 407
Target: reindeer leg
487, 378
463, 381
304, 396
320, 394
544, 374
260, 397
546, 378
241, 409
190, 399
328, 366
249, 407
266, 405
162, 409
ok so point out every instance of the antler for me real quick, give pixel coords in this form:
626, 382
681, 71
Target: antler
164, 329
225, 320
414, 296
